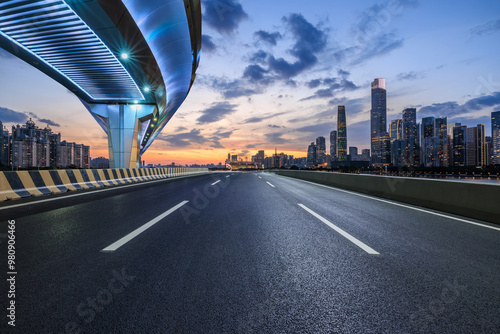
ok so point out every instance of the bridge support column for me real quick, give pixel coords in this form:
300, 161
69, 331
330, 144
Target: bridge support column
122, 123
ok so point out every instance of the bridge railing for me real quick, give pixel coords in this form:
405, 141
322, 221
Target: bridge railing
19, 184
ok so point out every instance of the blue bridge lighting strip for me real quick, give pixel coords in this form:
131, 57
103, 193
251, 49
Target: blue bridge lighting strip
52, 32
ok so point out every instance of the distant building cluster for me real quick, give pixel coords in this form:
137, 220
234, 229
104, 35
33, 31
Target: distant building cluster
28, 146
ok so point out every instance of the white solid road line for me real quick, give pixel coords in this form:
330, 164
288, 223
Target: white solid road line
402, 205
114, 246
213, 184
94, 191
270, 184
228, 176
259, 177
349, 237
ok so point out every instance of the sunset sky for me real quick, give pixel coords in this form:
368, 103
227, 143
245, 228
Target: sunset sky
272, 74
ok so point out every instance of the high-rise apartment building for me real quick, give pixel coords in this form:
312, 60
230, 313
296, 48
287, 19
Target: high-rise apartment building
341, 135
410, 137
333, 145
440, 131
378, 119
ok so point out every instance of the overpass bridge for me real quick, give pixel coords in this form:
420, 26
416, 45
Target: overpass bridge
131, 63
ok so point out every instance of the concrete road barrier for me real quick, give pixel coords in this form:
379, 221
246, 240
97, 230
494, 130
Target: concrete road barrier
20, 184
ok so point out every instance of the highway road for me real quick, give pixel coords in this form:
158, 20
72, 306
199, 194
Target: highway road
246, 252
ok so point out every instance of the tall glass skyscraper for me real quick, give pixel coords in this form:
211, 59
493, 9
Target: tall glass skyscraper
333, 145
378, 119
341, 135
320, 150
495, 137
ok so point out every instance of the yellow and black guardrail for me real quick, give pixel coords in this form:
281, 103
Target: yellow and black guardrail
19, 184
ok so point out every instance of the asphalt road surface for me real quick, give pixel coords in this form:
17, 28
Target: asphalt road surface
244, 253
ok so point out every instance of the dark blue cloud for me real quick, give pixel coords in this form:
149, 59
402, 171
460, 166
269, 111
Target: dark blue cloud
11, 116
486, 29
320, 129
274, 126
275, 138
333, 86
217, 136
259, 57
483, 101
232, 89
372, 32
188, 138
343, 73
375, 19
262, 118
271, 38
314, 83
216, 112
337, 101
378, 46
207, 44
223, 15
47, 121
257, 75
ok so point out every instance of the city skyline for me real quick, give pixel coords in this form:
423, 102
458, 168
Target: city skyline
256, 90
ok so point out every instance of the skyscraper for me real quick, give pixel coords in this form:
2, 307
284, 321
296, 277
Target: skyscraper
495, 137
440, 131
459, 148
311, 155
429, 143
320, 150
333, 145
378, 119
353, 153
470, 146
428, 126
341, 135
410, 134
